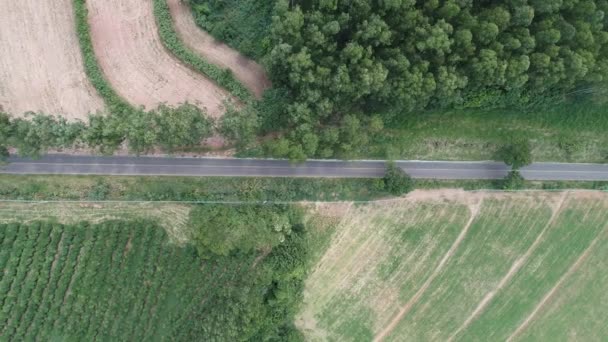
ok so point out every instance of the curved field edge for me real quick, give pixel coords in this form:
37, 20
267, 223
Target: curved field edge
115, 103
171, 41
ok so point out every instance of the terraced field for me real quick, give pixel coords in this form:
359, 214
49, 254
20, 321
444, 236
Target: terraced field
40, 64
116, 281
463, 266
133, 59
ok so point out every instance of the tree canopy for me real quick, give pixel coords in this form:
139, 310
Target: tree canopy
340, 60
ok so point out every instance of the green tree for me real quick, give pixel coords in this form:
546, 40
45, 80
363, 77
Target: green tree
183, 126
513, 181
396, 181
516, 154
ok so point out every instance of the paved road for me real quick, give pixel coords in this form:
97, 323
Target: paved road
164, 166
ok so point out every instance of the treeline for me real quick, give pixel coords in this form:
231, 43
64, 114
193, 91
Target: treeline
344, 66
139, 130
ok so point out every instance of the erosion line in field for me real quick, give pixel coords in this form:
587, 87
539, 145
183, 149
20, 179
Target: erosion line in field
512, 271
554, 289
406, 308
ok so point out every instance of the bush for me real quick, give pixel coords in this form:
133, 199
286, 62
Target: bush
513, 181
396, 181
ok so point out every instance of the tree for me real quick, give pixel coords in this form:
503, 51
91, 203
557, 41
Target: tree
513, 181
226, 229
517, 154
396, 181
185, 125
240, 127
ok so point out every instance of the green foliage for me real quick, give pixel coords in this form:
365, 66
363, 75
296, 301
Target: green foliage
170, 39
242, 24
54, 276
240, 127
33, 136
517, 154
184, 126
396, 181
227, 229
339, 58
513, 181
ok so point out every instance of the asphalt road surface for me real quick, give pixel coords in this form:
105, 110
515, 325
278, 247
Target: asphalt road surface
175, 166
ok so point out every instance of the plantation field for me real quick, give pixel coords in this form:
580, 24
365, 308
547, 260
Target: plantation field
247, 71
132, 57
113, 281
41, 68
450, 265
172, 217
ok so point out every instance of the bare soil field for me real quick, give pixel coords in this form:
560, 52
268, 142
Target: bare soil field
250, 73
41, 67
462, 266
133, 59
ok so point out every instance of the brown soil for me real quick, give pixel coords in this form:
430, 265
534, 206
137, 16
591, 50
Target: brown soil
250, 73
41, 68
130, 52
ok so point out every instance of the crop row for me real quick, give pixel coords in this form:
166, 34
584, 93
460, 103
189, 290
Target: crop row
113, 281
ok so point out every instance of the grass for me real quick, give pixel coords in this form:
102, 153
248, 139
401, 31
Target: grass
570, 132
112, 281
535, 256
171, 41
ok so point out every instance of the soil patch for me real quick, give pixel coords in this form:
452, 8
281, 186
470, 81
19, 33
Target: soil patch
130, 52
41, 69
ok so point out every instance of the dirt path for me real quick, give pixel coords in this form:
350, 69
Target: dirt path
474, 208
250, 73
130, 52
514, 268
41, 67
556, 287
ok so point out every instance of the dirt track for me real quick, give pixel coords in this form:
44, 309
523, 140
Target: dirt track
250, 73
130, 52
40, 63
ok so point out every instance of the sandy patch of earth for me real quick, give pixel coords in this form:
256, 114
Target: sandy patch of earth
41, 68
134, 61
248, 72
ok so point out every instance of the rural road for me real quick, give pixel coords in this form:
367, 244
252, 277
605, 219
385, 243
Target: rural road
176, 166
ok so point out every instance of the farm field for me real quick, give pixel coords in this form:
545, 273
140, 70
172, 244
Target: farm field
450, 265
133, 59
113, 281
41, 67
250, 73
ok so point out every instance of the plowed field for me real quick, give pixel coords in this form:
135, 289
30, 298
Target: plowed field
250, 73
40, 63
132, 57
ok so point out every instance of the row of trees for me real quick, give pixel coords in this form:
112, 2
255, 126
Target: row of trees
339, 62
141, 131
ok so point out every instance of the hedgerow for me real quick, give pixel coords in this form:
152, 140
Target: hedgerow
171, 41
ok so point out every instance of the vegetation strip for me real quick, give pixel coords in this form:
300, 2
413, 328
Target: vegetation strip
172, 42
114, 102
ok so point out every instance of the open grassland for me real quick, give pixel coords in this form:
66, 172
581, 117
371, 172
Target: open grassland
41, 68
250, 73
172, 217
113, 281
133, 59
450, 265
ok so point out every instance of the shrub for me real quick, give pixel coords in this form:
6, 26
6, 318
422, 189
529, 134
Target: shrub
396, 181
517, 154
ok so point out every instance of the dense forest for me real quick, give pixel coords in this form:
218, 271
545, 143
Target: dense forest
343, 61
343, 68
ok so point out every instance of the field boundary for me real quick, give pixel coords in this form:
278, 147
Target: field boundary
113, 100
173, 45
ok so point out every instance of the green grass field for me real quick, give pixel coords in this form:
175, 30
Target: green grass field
111, 281
465, 267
